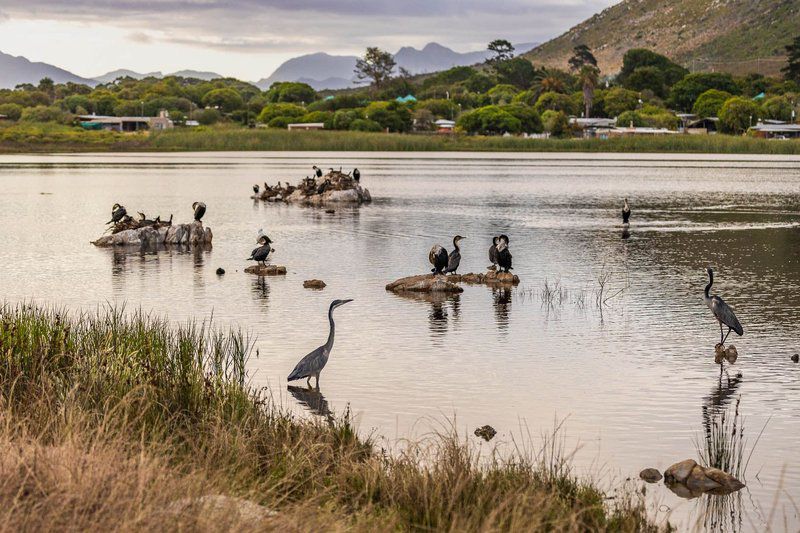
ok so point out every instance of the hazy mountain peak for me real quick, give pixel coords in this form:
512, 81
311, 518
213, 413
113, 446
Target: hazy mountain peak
15, 70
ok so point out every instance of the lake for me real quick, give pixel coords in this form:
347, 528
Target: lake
630, 374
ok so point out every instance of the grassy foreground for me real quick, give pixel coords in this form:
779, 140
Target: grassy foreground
122, 421
32, 137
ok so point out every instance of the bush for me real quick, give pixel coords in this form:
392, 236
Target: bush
281, 122
424, 120
280, 110
530, 120
440, 107
42, 113
737, 114
391, 115
628, 118
775, 108
206, 117
364, 124
556, 123
502, 93
227, 100
343, 118
618, 100
528, 97
489, 120
11, 111
686, 92
292, 92
710, 102
552, 101
325, 117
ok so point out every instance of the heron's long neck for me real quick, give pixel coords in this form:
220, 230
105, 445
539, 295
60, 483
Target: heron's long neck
710, 283
329, 344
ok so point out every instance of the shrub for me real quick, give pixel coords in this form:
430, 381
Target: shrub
343, 118
737, 114
710, 102
11, 111
42, 113
280, 122
489, 120
530, 120
206, 117
556, 123
628, 118
686, 92
364, 124
280, 110
227, 100
440, 107
391, 115
502, 93
291, 91
618, 100
553, 101
778, 108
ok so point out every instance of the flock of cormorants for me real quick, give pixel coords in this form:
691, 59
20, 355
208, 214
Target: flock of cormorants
119, 215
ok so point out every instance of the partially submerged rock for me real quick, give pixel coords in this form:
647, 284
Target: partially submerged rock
314, 284
266, 270
651, 475
729, 354
486, 432
332, 188
193, 234
424, 283
688, 479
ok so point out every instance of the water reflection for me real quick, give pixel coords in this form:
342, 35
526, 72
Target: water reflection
626, 233
313, 400
501, 299
445, 309
260, 288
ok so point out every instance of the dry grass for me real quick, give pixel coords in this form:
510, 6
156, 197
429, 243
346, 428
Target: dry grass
113, 421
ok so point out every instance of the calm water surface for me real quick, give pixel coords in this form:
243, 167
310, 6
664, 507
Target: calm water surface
635, 379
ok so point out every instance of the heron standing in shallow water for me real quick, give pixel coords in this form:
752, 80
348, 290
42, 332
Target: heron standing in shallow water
626, 212
722, 311
199, 210
312, 364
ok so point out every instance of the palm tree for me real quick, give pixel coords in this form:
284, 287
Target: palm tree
588, 77
551, 80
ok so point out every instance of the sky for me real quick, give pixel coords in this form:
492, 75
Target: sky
248, 39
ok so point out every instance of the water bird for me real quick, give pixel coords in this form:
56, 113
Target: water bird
317, 171
356, 175
493, 253
256, 188
438, 258
721, 311
199, 210
143, 221
626, 212
454, 259
312, 364
261, 253
503, 254
117, 214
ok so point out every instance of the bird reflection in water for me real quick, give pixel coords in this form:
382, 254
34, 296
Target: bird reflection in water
626, 233
444, 309
501, 298
260, 288
312, 400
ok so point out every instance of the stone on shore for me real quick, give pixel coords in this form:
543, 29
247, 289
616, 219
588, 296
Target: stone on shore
486, 432
651, 475
688, 479
194, 233
314, 284
266, 270
424, 283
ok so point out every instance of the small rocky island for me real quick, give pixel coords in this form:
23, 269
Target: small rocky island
449, 283
331, 188
127, 231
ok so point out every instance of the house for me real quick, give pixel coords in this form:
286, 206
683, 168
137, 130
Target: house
702, 126
125, 124
161, 122
767, 130
634, 131
445, 126
594, 127
306, 126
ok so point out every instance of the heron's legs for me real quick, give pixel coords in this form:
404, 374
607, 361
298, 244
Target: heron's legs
726, 336
721, 338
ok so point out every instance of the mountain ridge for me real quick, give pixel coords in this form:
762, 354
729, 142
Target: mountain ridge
16, 70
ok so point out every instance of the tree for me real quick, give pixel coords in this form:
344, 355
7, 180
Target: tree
423, 120
489, 120
581, 56
618, 100
738, 114
551, 101
280, 110
647, 79
11, 111
792, 69
710, 102
227, 100
556, 123
47, 86
502, 50
589, 77
684, 93
550, 80
629, 119
392, 115
518, 72
291, 91
529, 119
778, 108
502, 93
642, 57
376, 65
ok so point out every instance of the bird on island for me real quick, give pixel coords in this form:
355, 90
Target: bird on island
256, 188
721, 311
503, 254
324, 186
454, 259
117, 214
261, 253
143, 221
493, 253
317, 171
626, 212
356, 175
199, 210
312, 364
438, 258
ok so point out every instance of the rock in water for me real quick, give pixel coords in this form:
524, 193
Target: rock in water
796, 358
220, 271
266, 270
651, 475
486, 432
679, 472
424, 283
688, 479
193, 233
314, 284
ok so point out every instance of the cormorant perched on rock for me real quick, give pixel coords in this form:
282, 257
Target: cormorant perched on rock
493, 253
199, 210
117, 214
256, 188
356, 175
503, 254
317, 171
626, 212
143, 220
261, 253
324, 187
454, 259
438, 258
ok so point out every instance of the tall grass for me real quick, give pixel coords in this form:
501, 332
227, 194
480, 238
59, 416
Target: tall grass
114, 420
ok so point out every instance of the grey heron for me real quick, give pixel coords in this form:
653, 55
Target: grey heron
356, 175
199, 210
312, 364
454, 259
438, 258
493, 252
503, 254
118, 212
721, 311
261, 253
626, 212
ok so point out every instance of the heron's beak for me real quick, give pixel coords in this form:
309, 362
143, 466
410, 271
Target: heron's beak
346, 301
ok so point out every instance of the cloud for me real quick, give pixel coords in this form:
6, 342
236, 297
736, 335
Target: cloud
140, 37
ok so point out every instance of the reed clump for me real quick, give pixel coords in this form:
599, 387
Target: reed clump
115, 420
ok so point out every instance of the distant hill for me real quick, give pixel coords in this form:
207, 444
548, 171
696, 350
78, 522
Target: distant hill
735, 36
122, 73
15, 70
325, 71
199, 74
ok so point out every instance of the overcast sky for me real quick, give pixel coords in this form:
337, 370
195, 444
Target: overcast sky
248, 39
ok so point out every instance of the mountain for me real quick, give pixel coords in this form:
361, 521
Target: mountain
199, 74
734, 36
16, 70
108, 77
325, 71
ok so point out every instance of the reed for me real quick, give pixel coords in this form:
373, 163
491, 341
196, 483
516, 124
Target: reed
115, 420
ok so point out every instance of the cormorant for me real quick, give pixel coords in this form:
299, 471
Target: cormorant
324, 187
438, 258
143, 220
256, 188
261, 253
317, 171
454, 259
503, 254
117, 213
626, 212
493, 252
356, 175
199, 210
